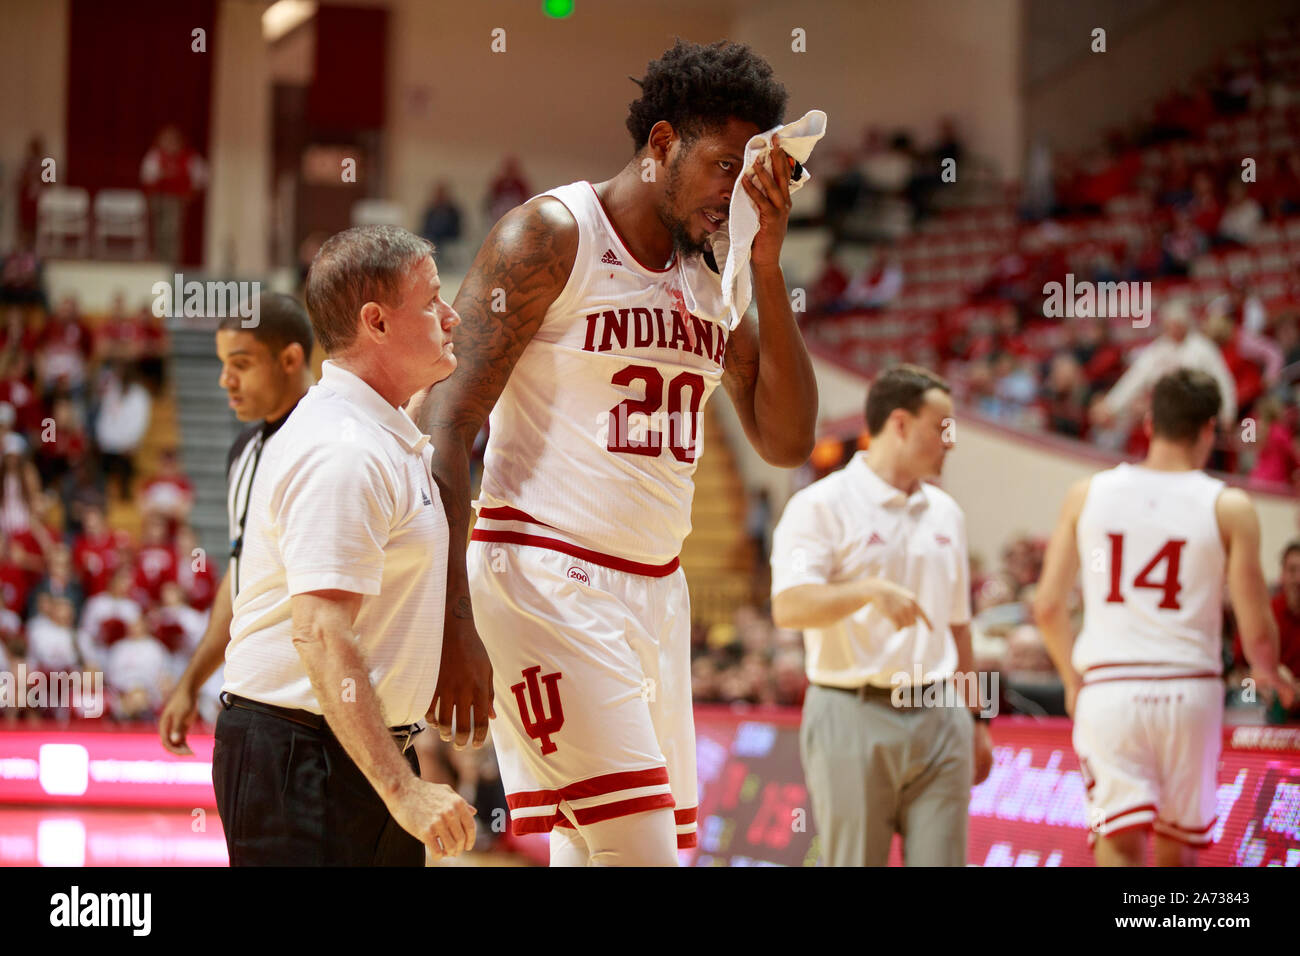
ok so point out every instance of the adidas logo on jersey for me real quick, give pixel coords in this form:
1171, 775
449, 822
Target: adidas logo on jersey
610, 259
424, 499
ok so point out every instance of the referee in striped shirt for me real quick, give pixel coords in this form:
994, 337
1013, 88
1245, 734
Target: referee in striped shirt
265, 370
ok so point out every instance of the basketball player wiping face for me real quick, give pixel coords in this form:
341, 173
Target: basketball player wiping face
577, 337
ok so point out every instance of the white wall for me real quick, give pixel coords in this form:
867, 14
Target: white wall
557, 97
1071, 107
898, 63
33, 92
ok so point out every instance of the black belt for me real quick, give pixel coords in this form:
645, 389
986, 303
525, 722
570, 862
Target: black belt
911, 694
403, 735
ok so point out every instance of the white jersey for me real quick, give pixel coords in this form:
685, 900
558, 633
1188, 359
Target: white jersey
595, 438
1153, 572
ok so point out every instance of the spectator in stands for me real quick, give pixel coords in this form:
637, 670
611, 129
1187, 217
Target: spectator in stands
64, 444
137, 674
1246, 373
60, 581
845, 188
827, 290
1204, 206
1179, 345
179, 626
194, 574
1176, 184
1278, 460
16, 390
172, 174
1146, 255
507, 190
20, 489
877, 285
29, 182
1285, 190
155, 561
106, 615
22, 278
1065, 397
1182, 244
1286, 612
12, 641
63, 351
120, 336
124, 411
168, 492
1099, 356
155, 348
18, 571
51, 639
441, 221
96, 551
1242, 216
887, 168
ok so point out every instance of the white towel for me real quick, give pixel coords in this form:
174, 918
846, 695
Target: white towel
732, 244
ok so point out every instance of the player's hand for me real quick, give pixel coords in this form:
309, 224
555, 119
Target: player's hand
771, 195
178, 714
983, 753
436, 815
1281, 682
462, 702
896, 603
1101, 415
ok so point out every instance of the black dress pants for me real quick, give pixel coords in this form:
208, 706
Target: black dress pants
289, 795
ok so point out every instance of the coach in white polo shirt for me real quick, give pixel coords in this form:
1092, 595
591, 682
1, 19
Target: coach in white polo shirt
870, 562
337, 631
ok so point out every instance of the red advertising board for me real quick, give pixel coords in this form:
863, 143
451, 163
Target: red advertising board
754, 807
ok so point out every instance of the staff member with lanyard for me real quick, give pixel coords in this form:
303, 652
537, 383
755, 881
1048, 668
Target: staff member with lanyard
265, 370
870, 562
337, 634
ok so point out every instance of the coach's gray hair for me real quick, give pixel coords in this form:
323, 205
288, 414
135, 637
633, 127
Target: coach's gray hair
358, 265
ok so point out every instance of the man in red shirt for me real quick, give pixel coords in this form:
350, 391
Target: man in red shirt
172, 174
1286, 611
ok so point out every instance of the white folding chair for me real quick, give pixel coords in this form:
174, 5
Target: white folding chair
121, 214
62, 217
377, 212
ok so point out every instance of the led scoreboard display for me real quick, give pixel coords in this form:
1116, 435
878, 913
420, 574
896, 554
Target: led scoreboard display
754, 807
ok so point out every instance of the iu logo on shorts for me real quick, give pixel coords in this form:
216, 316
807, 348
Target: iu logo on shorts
539, 725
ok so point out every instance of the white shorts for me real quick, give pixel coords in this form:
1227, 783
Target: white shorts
592, 676
1149, 752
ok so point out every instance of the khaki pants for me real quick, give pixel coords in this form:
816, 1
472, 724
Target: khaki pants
873, 770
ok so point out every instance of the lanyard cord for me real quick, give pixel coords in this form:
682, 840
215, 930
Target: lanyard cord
237, 546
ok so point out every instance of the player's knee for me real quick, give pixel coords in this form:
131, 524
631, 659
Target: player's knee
641, 839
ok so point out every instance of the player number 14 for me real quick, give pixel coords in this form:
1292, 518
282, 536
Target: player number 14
1170, 554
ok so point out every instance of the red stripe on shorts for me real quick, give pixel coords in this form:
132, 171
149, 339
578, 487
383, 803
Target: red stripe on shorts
573, 551
614, 782
623, 808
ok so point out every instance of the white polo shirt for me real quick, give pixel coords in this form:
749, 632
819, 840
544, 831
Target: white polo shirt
344, 500
851, 525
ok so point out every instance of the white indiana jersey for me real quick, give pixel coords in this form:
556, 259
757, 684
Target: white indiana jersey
596, 435
1153, 572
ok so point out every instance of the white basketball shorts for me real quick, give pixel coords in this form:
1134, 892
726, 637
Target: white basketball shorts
592, 677
1149, 752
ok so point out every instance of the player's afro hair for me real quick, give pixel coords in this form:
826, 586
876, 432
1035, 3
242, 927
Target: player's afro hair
698, 88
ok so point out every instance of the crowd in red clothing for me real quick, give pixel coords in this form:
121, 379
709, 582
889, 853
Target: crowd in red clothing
75, 593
